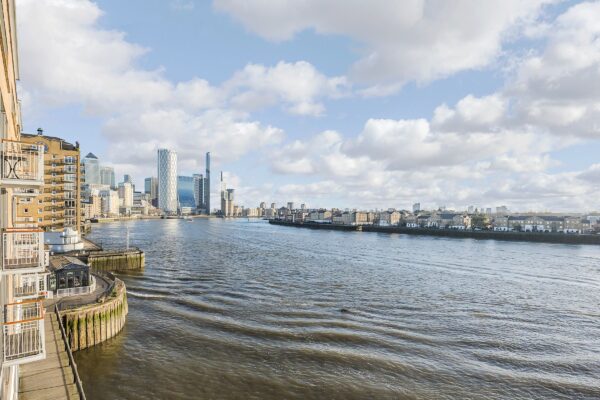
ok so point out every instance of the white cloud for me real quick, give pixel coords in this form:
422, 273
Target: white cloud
296, 85
559, 89
67, 58
471, 113
417, 40
483, 149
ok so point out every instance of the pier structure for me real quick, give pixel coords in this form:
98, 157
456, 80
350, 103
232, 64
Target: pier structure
55, 377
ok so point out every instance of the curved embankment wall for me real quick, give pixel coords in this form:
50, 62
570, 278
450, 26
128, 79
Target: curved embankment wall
94, 323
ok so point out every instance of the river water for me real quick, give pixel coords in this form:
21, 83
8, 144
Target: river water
236, 309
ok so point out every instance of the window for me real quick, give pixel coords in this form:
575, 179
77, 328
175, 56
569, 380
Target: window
26, 210
39, 210
39, 220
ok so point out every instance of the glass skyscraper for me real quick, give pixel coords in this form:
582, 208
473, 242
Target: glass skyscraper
107, 177
185, 191
92, 169
167, 180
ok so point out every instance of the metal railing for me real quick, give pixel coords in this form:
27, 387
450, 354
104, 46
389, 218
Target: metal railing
21, 164
26, 286
22, 250
70, 354
78, 291
23, 332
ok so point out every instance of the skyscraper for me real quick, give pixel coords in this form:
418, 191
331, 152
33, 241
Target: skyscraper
227, 198
207, 185
199, 191
167, 180
92, 169
107, 176
126, 194
185, 191
151, 188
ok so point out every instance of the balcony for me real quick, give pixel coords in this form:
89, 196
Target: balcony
22, 251
69, 178
28, 286
21, 164
25, 222
23, 332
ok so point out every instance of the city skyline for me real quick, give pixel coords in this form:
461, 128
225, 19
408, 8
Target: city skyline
320, 107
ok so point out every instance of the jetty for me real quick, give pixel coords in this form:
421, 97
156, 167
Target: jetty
70, 324
56, 376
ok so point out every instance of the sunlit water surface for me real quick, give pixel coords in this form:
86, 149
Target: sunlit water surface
244, 310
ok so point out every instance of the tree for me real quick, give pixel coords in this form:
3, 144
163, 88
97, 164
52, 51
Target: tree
480, 221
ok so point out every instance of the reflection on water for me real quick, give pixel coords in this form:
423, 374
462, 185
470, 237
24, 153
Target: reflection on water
244, 310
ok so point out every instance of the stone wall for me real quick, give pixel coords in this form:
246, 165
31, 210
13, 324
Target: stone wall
116, 261
93, 324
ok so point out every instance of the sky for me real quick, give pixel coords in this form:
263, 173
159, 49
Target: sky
336, 103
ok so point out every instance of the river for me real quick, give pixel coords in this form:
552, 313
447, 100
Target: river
237, 309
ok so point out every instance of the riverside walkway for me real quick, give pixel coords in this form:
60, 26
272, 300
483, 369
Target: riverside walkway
51, 378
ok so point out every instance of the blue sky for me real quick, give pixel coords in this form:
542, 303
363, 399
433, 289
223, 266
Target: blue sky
329, 103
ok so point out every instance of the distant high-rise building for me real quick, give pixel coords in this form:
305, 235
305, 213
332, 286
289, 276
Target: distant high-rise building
167, 180
92, 169
151, 189
185, 191
206, 189
126, 194
230, 202
502, 210
227, 199
273, 205
109, 202
303, 206
107, 177
470, 209
416, 207
199, 191
290, 205
263, 205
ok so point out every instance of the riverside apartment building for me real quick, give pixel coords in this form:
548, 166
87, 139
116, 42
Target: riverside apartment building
22, 255
59, 206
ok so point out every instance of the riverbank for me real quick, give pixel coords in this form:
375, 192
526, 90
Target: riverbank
463, 234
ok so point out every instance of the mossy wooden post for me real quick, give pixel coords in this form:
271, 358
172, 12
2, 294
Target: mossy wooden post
82, 332
89, 320
97, 330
